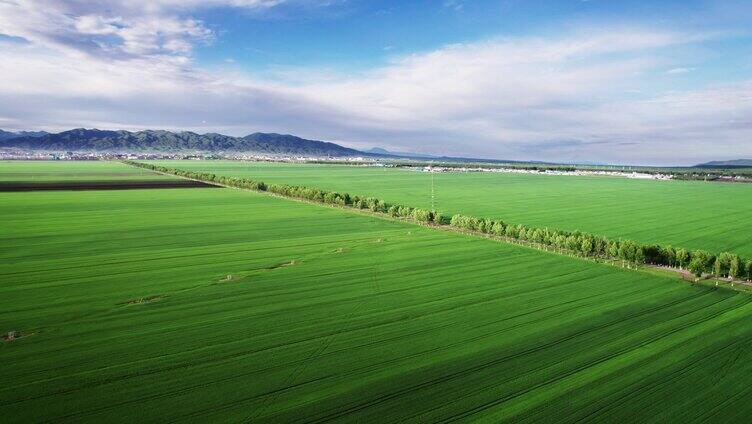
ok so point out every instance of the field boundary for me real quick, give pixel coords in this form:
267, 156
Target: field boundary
433, 220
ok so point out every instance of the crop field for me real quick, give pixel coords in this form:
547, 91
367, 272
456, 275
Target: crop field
66, 171
221, 305
690, 214
23, 176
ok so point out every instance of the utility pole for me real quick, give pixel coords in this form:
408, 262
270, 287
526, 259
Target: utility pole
433, 196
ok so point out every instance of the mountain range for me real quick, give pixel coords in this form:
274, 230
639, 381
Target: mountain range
82, 139
7, 135
723, 163
384, 152
156, 141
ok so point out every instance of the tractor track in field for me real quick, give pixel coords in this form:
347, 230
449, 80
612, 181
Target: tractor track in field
517, 355
642, 388
373, 366
521, 371
303, 365
475, 368
488, 298
467, 413
733, 398
162, 246
275, 392
447, 228
488, 405
458, 305
464, 304
176, 256
244, 353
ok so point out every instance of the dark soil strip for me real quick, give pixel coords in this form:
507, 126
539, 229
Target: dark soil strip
100, 185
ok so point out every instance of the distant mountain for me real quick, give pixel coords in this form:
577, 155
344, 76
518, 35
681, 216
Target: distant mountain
82, 139
7, 135
384, 152
421, 157
286, 143
722, 163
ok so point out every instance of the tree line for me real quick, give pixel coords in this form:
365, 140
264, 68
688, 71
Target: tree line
698, 262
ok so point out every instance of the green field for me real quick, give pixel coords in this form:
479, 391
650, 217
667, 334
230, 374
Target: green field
217, 305
690, 214
47, 171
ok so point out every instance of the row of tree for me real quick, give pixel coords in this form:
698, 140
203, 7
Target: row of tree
699, 262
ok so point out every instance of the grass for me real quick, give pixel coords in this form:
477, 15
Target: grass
224, 305
48, 171
690, 214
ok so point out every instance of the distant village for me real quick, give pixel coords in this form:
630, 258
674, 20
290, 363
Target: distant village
410, 164
576, 172
21, 154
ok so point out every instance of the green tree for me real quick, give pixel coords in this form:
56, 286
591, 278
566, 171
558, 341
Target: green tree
405, 211
669, 255
722, 264
613, 249
626, 250
639, 255
682, 258
600, 247
696, 266
586, 246
701, 262
442, 218
573, 243
560, 241
422, 215
456, 221
735, 267
330, 198
654, 255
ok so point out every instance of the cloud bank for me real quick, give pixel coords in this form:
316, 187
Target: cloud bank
583, 96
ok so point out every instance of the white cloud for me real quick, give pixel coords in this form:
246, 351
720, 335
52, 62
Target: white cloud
574, 97
116, 29
530, 98
675, 71
453, 4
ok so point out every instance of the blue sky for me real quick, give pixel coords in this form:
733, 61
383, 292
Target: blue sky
648, 82
359, 34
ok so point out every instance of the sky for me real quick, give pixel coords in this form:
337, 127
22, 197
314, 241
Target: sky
644, 82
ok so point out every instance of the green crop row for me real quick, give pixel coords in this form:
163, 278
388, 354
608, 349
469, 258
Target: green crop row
699, 262
221, 305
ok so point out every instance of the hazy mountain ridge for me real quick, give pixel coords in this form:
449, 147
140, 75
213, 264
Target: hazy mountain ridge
271, 141
721, 163
8, 135
385, 152
160, 140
